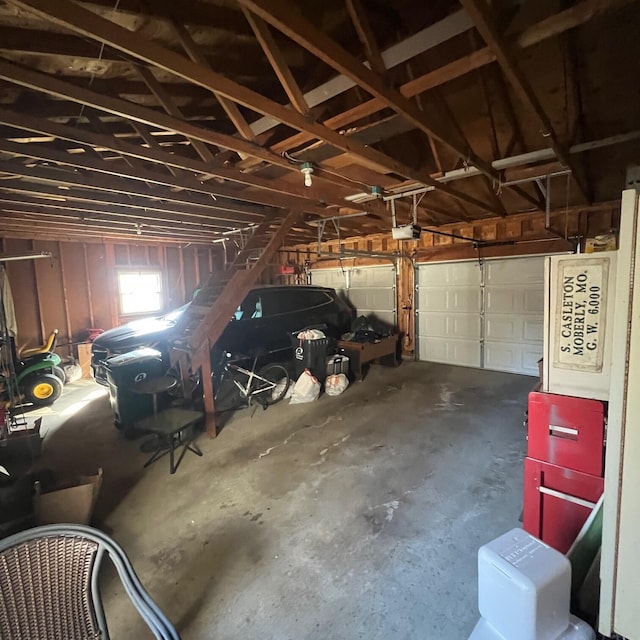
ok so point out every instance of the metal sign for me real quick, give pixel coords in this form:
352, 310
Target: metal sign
581, 288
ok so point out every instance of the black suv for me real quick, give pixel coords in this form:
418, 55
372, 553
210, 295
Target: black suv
262, 324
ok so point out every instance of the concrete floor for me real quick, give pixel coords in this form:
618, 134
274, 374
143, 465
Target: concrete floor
353, 517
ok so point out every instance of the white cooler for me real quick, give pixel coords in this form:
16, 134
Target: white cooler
524, 591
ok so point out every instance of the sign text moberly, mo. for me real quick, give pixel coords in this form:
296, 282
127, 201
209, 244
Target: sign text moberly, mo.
581, 288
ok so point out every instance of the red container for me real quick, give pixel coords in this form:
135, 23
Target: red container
557, 502
567, 431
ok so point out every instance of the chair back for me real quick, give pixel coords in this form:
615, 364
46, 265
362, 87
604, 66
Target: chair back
47, 347
49, 585
45, 588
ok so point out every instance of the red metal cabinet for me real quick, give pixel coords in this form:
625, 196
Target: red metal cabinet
567, 431
557, 502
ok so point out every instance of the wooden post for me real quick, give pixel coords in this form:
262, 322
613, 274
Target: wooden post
65, 300
88, 282
202, 361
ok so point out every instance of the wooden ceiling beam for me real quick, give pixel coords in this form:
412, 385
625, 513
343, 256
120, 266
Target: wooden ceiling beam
38, 213
29, 233
145, 134
98, 213
215, 16
38, 193
71, 16
366, 36
89, 190
137, 175
167, 103
130, 111
230, 108
479, 13
286, 18
549, 27
55, 226
274, 55
38, 42
264, 191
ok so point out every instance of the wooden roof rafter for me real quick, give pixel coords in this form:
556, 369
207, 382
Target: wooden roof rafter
278, 63
71, 16
285, 17
547, 28
520, 84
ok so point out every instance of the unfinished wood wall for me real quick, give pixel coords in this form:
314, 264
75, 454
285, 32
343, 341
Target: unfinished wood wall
76, 289
521, 234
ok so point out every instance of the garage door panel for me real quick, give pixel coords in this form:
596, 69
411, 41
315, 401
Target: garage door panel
388, 318
506, 300
446, 274
380, 277
500, 310
512, 358
382, 299
463, 299
461, 352
371, 289
525, 270
449, 326
514, 329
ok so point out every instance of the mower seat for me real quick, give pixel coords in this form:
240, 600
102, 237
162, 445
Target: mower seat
47, 347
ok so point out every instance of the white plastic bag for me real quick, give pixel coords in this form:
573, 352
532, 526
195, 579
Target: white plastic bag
307, 388
335, 384
311, 334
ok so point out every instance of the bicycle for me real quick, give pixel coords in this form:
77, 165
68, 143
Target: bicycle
268, 386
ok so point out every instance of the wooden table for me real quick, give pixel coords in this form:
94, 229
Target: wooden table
384, 350
173, 428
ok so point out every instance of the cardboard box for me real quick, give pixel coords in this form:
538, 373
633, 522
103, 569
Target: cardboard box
72, 501
84, 359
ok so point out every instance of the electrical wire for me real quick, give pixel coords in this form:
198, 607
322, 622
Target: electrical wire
93, 73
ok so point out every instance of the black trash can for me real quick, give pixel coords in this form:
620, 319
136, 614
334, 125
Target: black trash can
312, 355
123, 371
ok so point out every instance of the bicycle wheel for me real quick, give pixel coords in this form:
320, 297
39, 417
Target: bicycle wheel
277, 375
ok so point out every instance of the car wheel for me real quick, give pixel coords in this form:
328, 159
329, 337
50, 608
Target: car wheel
42, 390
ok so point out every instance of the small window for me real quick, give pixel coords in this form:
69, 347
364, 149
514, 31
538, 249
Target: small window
140, 292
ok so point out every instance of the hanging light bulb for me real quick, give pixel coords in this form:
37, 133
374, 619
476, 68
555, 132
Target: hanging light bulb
307, 170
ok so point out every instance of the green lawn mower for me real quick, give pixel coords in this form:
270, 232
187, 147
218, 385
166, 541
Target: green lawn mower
36, 377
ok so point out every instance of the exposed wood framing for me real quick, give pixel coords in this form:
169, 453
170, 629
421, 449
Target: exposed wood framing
72, 16
230, 107
167, 103
259, 196
543, 30
366, 35
276, 59
520, 84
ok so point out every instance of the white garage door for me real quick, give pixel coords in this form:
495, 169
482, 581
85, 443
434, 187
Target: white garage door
486, 314
371, 290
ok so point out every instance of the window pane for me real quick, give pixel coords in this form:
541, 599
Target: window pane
140, 291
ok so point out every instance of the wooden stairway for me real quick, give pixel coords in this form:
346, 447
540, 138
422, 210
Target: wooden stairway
215, 303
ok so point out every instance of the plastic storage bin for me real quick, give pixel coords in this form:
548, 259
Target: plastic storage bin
123, 371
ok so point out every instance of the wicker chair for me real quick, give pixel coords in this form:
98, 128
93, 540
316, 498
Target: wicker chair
49, 585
